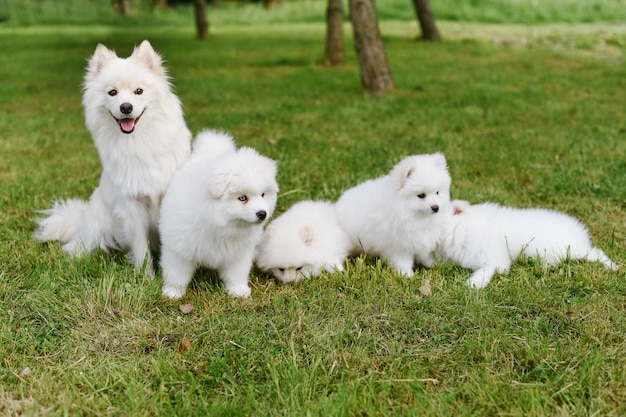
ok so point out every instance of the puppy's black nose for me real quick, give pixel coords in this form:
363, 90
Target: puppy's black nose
434, 208
261, 214
126, 108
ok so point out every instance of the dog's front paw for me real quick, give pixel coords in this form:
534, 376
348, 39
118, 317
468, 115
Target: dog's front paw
478, 280
242, 291
173, 292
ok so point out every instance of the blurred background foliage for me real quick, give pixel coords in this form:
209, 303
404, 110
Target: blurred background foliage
241, 12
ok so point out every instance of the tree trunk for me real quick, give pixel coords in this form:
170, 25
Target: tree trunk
335, 54
125, 7
426, 20
160, 4
375, 71
202, 24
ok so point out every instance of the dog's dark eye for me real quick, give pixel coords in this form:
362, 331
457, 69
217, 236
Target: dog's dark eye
437, 192
242, 198
299, 269
139, 91
281, 269
263, 195
112, 92
422, 195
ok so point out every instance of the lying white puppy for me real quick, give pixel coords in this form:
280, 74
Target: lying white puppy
488, 238
213, 214
397, 216
304, 241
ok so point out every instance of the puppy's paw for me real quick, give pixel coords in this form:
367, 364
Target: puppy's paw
173, 292
477, 281
241, 291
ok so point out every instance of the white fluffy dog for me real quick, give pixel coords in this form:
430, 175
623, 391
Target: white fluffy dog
397, 216
488, 238
304, 241
138, 128
213, 214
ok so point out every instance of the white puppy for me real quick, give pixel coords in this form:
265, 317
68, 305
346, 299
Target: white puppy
138, 128
488, 238
304, 241
213, 214
397, 216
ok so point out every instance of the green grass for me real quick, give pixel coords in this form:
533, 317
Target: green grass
533, 123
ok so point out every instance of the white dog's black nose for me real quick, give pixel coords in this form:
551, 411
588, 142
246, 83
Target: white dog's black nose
434, 208
261, 214
126, 108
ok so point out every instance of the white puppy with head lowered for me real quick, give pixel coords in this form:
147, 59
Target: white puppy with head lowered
213, 214
397, 216
137, 125
304, 241
487, 238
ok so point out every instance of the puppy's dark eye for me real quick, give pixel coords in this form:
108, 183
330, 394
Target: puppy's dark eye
281, 269
437, 192
242, 198
422, 195
299, 269
263, 195
112, 92
139, 91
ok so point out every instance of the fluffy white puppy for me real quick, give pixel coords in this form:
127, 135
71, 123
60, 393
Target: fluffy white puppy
213, 214
488, 238
138, 128
397, 216
303, 241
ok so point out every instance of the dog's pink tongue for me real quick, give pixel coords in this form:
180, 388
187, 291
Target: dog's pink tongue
127, 125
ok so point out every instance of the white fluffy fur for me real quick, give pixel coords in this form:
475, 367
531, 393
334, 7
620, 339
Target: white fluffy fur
304, 241
397, 216
488, 238
137, 125
213, 214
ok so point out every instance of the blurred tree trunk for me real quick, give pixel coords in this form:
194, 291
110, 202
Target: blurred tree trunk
270, 4
426, 20
375, 71
202, 24
335, 54
125, 7
160, 4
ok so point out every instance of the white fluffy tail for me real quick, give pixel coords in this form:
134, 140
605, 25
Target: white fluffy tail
213, 143
76, 225
597, 255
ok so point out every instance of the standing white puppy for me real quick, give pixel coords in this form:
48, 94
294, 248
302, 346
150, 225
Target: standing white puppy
213, 214
488, 238
138, 128
397, 216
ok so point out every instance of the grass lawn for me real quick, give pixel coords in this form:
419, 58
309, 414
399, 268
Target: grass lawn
526, 115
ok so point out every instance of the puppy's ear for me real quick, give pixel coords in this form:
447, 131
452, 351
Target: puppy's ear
403, 170
99, 58
146, 54
218, 185
440, 160
307, 235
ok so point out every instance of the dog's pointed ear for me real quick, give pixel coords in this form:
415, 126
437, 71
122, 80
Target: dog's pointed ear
403, 170
146, 54
218, 185
99, 58
307, 235
440, 160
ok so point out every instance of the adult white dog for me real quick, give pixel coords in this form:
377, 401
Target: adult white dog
137, 125
213, 214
